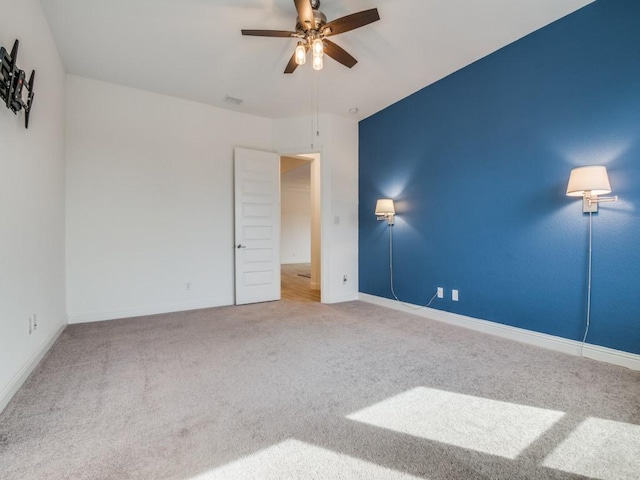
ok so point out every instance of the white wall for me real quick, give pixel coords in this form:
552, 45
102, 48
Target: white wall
150, 200
32, 260
295, 198
338, 147
316, 220
344, 205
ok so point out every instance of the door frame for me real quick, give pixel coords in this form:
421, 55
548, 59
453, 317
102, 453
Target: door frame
317, 164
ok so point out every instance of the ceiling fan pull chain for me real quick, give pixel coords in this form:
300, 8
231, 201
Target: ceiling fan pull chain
312, 78
318, 107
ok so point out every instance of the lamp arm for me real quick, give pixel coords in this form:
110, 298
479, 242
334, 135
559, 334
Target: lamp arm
387, 216
597, 199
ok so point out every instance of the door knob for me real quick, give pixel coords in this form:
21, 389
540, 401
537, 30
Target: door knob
241, 246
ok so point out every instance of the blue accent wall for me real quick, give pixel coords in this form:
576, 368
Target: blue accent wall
478, 165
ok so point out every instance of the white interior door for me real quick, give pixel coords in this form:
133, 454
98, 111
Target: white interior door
257, 226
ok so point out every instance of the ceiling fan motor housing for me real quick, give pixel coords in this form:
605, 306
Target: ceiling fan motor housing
319, 19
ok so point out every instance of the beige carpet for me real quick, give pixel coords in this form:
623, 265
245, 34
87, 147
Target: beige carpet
288, 390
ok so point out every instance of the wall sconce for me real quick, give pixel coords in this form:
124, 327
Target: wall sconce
385, 210
589, 183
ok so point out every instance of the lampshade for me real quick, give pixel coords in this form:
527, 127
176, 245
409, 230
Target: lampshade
384, 206
592, 179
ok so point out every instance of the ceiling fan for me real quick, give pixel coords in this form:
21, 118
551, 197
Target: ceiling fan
312, 29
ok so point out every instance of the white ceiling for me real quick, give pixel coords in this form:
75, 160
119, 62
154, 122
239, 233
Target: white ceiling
193, 49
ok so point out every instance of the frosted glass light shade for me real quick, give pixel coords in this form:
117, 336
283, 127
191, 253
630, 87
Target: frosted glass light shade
384, 206
318, 48
592, 179
317, 62
301, 54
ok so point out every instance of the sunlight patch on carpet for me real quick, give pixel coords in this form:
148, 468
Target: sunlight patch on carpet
475, 423
601, 449
299, 460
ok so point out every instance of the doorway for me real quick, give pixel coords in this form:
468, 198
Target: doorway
300, 251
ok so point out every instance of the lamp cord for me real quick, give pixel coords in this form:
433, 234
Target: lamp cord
408, 305
586, 331
391, 262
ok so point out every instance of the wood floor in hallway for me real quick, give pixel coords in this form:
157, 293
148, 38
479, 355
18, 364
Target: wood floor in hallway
296, 283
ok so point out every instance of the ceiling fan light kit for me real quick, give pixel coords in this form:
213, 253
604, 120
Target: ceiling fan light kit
301, 54
312, 29
318, 49
318, 63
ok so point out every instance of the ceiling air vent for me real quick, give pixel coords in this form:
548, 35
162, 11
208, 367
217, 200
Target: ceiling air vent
232, 100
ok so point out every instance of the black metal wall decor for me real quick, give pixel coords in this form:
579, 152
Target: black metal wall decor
15, 93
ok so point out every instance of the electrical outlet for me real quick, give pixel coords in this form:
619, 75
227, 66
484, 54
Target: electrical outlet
440, 292
344, 279
30, 325
454, 295
35, 322
187, 286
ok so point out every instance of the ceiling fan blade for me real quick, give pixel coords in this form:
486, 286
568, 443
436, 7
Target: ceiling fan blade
269, 33
305, 14
339, 54
292, 65
351, 22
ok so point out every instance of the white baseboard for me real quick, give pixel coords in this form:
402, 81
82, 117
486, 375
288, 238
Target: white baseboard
551, 342
341, 298
88, 317
14, 385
